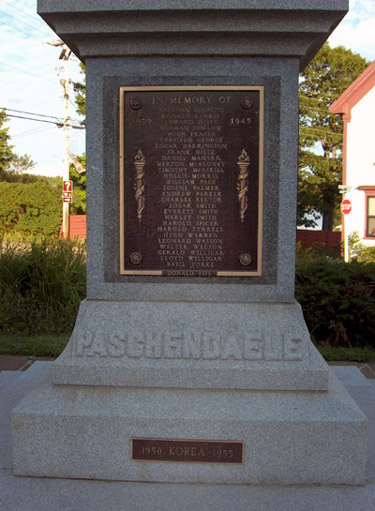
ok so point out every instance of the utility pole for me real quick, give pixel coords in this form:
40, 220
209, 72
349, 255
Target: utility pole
65, 82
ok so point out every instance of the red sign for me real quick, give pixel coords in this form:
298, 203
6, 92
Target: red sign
68, 186
346, 207
67, 199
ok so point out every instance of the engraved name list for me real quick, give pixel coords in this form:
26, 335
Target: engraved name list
191, 181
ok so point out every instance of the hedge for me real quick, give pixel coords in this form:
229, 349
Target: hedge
29, 210
338, 301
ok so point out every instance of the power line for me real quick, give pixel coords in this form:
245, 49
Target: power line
58, 119
321, 130
25, 23
16, 28
39, 115
316, 108
58, 124
28, 113
33, 132
34, 18
306, 98
38, 120
26, 72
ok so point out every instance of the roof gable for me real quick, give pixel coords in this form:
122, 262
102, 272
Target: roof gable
355, 92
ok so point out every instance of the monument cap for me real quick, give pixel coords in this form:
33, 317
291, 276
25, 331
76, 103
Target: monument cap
262, 28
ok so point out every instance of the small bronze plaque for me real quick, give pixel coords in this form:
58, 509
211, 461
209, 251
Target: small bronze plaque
191, 180
188, 451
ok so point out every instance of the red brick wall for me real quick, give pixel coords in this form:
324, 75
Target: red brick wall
327, 238
77, 226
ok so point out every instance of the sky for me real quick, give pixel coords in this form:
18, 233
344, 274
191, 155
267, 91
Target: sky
30, 79
30, 74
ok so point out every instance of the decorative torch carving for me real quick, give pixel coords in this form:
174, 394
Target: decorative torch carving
243, 182
139, 185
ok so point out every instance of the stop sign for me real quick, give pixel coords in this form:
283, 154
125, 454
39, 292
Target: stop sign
346, 206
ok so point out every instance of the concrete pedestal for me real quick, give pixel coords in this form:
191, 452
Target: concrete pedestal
289, 437
191, 372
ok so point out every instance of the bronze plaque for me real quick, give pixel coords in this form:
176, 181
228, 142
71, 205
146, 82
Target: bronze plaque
191, 180
188, 451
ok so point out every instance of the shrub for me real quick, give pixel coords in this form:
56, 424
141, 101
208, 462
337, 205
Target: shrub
29, 210
41, 286
338, 301
318, 250
359, 250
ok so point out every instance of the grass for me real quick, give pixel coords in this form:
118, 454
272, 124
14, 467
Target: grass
51, 345
339, 354
33, 346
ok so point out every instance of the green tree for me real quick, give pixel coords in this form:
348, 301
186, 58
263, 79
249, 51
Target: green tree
6, 153
327, 76
78, 206
21, 163
80, 92
10, 162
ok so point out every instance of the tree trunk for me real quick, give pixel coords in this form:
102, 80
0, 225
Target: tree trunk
328, 219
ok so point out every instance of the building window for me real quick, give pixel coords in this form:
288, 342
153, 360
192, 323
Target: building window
370, 231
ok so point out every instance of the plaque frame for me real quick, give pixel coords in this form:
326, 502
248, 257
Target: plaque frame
178, 88
225, 461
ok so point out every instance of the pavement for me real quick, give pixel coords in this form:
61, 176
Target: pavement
19, 374
15, 363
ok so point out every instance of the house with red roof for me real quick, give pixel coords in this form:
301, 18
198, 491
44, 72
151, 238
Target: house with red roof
357, 106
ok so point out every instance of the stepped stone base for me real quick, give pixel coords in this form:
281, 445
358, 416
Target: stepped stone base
298, 438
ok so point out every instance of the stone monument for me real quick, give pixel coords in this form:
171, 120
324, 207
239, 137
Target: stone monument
190, 360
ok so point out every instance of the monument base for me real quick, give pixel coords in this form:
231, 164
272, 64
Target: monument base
293, 437
201, 345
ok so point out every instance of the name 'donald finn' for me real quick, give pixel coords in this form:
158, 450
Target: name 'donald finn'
189, 345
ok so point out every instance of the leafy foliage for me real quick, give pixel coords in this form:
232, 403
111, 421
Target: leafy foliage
10, 162
327, 76
41, 286
359, 251
21, 163
78, 206
318, 250
29, 210
13, 177
80, 92
338, 301
6, 153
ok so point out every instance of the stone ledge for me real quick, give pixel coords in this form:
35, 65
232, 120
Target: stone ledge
104, 29
290, 438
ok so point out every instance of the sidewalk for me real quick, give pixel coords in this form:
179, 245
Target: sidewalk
15, 363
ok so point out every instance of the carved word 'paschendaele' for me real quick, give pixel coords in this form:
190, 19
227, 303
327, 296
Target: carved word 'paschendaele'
189, 345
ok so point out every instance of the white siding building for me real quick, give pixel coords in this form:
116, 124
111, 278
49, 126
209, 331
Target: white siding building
357, 104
